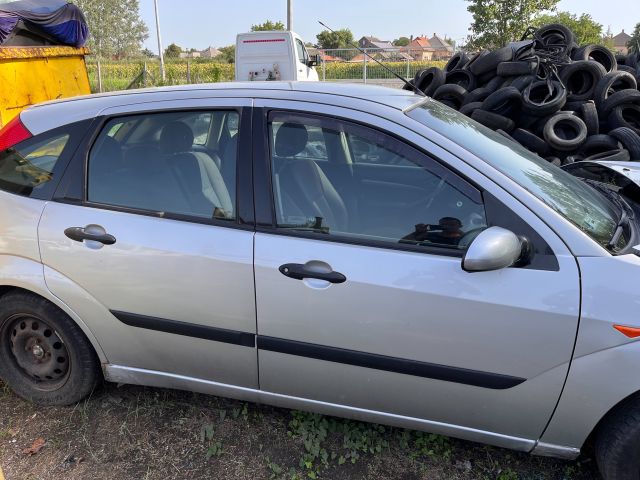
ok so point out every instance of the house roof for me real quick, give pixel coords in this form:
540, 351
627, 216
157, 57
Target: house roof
621, 39
420, 42
439, 43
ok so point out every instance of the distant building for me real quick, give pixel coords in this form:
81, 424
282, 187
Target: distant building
210, 52
620, 42
442, 49
419, 49
373, 42
194, 54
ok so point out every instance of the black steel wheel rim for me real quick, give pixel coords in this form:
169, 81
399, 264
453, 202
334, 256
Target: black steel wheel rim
38, 351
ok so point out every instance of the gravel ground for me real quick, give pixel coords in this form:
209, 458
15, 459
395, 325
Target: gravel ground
131, 432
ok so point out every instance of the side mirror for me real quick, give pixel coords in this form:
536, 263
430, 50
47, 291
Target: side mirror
314, 60
495, 248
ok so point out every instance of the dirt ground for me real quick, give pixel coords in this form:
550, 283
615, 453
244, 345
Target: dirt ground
131, 432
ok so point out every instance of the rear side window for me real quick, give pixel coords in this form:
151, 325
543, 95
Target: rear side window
33, 167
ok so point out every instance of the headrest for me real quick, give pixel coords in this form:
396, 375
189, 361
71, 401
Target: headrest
291, 139
176, 137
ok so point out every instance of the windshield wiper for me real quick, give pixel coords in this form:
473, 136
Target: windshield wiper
622, 224
626, 213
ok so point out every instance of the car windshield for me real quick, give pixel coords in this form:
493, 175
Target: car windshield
579, 203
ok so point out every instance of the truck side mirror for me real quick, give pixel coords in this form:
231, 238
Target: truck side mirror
314, 60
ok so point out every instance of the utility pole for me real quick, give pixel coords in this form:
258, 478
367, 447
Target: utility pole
289, 15
160, 53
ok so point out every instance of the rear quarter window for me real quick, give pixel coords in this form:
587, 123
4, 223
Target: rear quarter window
32, 168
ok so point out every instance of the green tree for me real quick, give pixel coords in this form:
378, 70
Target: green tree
148, 53
268, 25
339, 39
172, 51
115, 27
401, 42
634, 43
498, 22
584, 27
227, 54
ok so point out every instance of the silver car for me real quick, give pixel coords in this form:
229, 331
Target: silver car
350, 250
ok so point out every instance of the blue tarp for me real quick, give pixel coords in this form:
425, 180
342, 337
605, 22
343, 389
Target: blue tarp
58, 19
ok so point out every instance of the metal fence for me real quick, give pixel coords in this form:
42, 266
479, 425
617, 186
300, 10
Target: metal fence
348, 65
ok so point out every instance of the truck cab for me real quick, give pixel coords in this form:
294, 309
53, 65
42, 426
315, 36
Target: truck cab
273, 55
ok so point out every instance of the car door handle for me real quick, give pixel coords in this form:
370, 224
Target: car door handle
300, 272
79, 234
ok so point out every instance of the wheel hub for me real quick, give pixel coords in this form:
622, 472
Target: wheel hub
38, 350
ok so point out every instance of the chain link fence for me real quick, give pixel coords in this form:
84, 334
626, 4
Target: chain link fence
343, 65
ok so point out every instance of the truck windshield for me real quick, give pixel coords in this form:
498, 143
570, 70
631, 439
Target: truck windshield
576, 201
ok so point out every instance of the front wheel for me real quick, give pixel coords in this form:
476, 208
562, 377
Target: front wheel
618, 443
44, 356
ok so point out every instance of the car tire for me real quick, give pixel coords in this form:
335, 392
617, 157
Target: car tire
468, 108
44, 356
565, 132
612, 83
522, 82
430, 80
493, 84
617, 443
464, 78
548, 34
477, 95
625, 116
581, 79
589, 114
629, 139
597, 53
503, 102
535, 98
493, 120
631, 97
595, 144
457, 62
514, 69
490, 62
530, 141
452, 95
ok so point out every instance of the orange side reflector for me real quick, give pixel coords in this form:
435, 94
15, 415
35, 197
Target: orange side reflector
631, 332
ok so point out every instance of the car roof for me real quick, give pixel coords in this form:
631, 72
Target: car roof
47, 115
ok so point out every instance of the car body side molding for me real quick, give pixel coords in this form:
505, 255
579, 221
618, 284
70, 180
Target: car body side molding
495, 381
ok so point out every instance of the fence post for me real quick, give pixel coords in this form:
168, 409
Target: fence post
364, 65
188, 71
408, 55
144, 74
324, 68
99, 76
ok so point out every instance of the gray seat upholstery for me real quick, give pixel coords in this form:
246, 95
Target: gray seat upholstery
195, 169
304, 190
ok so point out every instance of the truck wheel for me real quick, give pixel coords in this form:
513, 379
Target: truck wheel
44, 356
618, 444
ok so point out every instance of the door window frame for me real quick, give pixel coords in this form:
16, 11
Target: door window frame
72, 188
497, 213
265, 197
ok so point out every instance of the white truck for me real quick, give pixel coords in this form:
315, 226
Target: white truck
273, 55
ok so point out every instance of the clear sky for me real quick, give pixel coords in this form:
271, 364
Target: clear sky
200, 23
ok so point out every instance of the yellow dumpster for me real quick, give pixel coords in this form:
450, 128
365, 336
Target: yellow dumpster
31, 75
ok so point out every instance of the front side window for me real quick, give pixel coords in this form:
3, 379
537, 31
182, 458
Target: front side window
576, 201
302, 53
29, 165
366, 186
167, 163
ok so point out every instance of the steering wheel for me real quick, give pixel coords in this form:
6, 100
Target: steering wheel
470, 236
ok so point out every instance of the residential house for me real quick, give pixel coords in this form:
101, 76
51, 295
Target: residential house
194, 54
210, 52
620, 42
442, 49
373, 42
419, 49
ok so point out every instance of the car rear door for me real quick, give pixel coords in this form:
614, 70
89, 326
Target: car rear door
152, 247
391, 323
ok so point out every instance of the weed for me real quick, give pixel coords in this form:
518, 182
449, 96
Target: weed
430, 445
507, 474
207, 436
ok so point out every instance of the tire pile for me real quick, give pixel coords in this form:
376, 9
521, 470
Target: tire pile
562, 101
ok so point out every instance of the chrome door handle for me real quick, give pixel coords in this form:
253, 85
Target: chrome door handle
300, 272
79, 234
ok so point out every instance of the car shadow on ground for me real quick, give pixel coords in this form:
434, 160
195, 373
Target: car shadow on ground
131, 432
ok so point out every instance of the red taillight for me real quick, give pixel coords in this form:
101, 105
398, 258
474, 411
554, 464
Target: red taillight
13, 133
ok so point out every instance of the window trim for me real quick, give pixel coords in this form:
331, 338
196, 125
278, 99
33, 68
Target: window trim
75, 178
265, 196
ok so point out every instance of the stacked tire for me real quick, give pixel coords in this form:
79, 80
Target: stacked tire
562, 101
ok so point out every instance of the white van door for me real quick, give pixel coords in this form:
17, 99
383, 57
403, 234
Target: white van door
303, 70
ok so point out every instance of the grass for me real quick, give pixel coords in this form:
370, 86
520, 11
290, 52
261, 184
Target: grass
137, 432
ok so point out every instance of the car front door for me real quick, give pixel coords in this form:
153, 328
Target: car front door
362, 301
153, 248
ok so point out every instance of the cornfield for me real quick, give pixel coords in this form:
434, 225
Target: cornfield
120, 75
